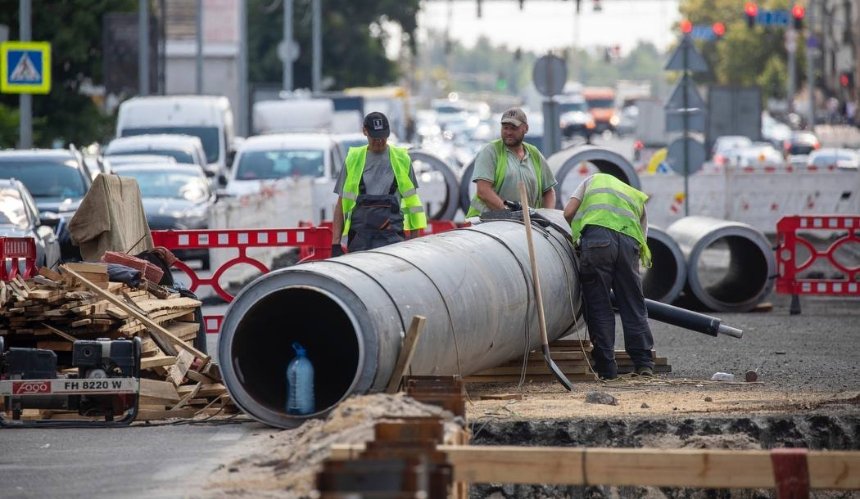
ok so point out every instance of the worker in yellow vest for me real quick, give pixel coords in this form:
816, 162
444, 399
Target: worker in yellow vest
377, 193
608, 221
502, 164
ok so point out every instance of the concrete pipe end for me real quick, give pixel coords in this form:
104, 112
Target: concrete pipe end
255, 346
665, 280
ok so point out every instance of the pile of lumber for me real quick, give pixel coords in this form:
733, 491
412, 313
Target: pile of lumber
573, 357
52, 310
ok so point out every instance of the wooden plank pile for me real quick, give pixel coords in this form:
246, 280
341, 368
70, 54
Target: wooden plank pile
52, 310
571, 356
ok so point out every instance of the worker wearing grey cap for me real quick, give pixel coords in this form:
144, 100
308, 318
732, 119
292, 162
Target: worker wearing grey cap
504, 163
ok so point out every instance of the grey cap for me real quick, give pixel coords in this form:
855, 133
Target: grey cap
515, 116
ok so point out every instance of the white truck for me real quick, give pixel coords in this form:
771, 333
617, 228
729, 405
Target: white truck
205, 116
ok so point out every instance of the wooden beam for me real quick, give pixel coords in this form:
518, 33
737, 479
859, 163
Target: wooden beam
406, 352
710, 468
59, 333
152, 326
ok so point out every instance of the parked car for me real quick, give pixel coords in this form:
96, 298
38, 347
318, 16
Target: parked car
19, 217
801, 143
207, 117
57, 179
185, 149
175, 196
759, 155
270, 157
725, 145
839, 157
574, 118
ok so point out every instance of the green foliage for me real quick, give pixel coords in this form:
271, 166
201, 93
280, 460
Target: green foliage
354, 36
74, 30
8, 127
745, 56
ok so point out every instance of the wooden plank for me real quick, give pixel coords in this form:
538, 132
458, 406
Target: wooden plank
59, 333
155, 390
157, 361
701, 468
50, 274
157, 414
152, 326
177, 371
406, 352
211, 390
200, 377
86, 267
188, 396
57, 346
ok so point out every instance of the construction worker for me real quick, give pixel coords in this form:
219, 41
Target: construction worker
377, 192
504, 163
608, 219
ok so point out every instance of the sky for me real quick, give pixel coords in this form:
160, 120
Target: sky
548, 24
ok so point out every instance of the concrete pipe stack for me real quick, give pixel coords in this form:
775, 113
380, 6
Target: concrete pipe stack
446, 209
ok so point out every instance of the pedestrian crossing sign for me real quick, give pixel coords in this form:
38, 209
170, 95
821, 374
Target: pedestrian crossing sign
25, 67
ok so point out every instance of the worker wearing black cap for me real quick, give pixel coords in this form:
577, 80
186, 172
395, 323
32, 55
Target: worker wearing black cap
377, 193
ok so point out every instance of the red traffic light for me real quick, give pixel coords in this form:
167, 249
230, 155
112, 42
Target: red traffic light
719, 29
751, 9
843, 80
686, 26
798, 12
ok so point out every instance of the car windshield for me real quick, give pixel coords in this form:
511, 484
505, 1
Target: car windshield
600, 103
261, 165
564, 107
45, 178
169, 184
12, 208
179, 155
208, 135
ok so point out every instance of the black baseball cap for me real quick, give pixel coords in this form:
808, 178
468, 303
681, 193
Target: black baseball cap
376, 125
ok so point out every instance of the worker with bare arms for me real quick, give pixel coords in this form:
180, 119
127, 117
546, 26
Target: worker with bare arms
503, 163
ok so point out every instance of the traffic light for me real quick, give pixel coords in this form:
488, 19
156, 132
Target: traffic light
751, 11
686, 27
846, 79
719, 29
798, 13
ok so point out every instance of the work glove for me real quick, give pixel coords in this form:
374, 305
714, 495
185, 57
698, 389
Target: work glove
337, 250
513, 205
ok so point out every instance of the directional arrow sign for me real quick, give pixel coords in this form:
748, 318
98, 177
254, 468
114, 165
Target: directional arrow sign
25, 67
686, 52
688, 87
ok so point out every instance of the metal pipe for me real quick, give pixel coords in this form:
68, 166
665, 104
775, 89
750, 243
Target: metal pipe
665, 280
448, 207
473, 285
730, 265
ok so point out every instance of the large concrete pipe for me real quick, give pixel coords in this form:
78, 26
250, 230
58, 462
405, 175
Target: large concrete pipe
570, 162
473, 285
730, 265
424, 160
665, 280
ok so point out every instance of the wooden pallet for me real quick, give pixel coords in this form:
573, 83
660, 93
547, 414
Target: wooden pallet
571, 356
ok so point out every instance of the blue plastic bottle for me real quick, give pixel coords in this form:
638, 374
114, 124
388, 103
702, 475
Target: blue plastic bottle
300, 383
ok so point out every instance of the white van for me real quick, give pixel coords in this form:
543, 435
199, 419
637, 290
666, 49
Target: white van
207, 117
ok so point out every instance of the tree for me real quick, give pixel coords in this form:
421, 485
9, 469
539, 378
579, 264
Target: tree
354, 37
74, 30
745, 56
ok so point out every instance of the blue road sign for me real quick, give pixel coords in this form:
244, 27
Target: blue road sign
25, 67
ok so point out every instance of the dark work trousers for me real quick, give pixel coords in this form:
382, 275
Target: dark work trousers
610, 261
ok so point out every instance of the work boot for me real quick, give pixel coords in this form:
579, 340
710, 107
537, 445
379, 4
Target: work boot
644, 371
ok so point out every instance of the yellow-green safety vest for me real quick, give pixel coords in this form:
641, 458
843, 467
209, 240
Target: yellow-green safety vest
414, 217
502, 168
609, 202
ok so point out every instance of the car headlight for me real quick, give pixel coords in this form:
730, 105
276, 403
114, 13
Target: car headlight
614, 120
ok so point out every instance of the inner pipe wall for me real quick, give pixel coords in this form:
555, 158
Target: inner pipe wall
665, 280
473, 285
730, 265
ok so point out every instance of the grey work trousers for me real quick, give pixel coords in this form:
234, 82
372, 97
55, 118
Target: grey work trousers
610, 261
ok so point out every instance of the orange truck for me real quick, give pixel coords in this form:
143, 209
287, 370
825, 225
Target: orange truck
601, 105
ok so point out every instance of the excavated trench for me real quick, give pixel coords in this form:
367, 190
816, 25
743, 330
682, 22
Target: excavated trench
810, 431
